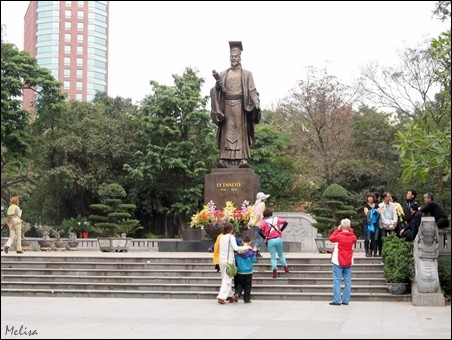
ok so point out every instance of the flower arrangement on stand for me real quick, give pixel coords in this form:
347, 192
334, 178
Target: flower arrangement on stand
210, 214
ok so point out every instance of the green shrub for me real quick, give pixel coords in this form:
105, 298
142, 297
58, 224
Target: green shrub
444, 275
398, 261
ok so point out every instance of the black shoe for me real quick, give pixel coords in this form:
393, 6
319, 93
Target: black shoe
258, 254
19, 252
344, 303
334, 304
5, 249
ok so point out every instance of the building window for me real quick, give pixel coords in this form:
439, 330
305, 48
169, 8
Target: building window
100, 5
79, 73
67, 85
80, 38
98, 75
67, 37
100, 41
67, 73
67, 25
68, 13
68, 3
67, 61
47, 14
100, 53
100, 29
47, 26
46, 49
101, 18
99, 64
79, 96
44, 3
81, 3
47, 37
79, 49
80, 15
99, 88
79, 61
67, 49
80, 26
79, 85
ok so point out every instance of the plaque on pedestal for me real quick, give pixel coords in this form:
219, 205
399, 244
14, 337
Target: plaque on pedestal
231, 184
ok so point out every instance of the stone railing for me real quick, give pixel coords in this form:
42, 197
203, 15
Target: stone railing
325, 246
92, 244
444, 243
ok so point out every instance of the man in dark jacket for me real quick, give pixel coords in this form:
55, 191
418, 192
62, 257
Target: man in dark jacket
435, 210
410, 200
411, 229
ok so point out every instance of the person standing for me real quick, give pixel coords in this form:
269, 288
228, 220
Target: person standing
257, 213
243, 281
271, 229
410, 200
14, 214
434, 209
235, 108
225, 247
342, 259
371, 229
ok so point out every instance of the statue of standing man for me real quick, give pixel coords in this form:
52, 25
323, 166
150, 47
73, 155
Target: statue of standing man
235, 110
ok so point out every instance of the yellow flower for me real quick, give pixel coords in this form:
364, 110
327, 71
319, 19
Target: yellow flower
210, 214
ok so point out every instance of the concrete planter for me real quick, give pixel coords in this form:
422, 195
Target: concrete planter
193, 234
118, 244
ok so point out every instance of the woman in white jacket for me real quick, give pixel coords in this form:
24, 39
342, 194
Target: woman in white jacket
225, 246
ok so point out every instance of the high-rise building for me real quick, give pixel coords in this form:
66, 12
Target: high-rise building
70, 38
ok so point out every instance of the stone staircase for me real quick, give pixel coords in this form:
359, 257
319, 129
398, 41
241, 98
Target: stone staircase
178, 276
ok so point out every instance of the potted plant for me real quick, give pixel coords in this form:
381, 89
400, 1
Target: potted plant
398, 263
75, 226
46, 243
57, 232
26, 244
113, 222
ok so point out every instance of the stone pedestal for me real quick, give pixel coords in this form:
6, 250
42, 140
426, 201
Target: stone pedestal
231, 184
427, 299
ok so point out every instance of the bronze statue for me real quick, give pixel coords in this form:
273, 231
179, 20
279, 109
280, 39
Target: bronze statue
235, 110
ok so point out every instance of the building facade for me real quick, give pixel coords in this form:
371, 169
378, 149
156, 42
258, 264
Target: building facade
70, 38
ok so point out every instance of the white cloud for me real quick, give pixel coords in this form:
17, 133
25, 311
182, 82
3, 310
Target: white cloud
153, 40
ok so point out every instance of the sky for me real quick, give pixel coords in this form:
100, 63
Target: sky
152, 40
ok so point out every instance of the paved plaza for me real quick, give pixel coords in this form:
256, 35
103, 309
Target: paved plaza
121, 318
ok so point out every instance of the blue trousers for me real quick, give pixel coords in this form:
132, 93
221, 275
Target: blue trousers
340, 272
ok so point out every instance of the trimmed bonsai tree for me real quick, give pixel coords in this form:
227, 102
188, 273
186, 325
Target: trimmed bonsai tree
332, 209
114, 216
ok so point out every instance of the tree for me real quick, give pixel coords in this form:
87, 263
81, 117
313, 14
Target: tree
280, 173
115, 215
177, 149
332, 208
424, 142
404, 88
373, 162
89, 146
20, 71
318, 112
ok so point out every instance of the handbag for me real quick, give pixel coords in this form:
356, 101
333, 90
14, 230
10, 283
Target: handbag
231, 268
